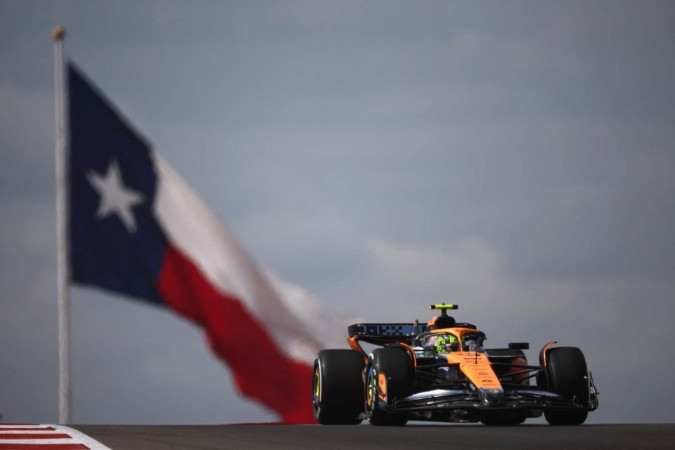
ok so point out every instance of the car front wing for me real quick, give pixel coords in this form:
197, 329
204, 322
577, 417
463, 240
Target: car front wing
469, 405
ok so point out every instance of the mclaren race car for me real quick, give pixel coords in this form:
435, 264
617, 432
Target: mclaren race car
441, 372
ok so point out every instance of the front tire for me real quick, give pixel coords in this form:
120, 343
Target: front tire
567, 377
396, 367
337, 387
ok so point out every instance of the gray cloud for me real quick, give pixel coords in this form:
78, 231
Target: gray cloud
514, 158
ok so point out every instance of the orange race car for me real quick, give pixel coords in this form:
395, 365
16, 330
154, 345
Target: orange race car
441, 372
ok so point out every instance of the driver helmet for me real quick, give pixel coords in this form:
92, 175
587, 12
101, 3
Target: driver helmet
443, 343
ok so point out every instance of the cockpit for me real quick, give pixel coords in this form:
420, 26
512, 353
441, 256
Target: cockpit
439, 343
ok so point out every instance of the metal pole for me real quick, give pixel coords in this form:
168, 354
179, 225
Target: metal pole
61, 228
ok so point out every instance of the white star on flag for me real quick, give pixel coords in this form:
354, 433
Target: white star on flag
116, 198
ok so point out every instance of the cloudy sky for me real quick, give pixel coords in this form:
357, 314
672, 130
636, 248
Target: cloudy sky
517, 158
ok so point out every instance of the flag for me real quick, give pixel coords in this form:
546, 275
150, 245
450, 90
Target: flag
138, 229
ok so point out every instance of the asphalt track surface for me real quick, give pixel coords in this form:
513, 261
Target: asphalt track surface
416, 436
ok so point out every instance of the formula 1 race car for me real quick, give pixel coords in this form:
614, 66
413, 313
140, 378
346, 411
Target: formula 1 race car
441, 372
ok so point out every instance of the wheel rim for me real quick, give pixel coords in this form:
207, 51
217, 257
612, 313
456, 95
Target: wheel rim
371, 391
316, 400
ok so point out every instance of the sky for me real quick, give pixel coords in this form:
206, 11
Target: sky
516, 158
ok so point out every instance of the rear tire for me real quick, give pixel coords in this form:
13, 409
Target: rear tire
397, 367
337, 387
567, 376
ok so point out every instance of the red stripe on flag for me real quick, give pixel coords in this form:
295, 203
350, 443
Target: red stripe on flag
34, 436
261, 370
43, 447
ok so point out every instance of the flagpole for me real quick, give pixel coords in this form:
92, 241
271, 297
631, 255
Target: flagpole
61, 228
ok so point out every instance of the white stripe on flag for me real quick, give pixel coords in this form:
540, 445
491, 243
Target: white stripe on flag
299, 324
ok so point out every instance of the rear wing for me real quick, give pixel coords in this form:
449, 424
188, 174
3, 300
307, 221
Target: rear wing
384, 333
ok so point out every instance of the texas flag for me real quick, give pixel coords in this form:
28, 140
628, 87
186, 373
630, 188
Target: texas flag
138, 229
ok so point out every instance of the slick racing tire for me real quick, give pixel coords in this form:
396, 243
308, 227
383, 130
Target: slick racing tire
337, 387
394, 368
567, 377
